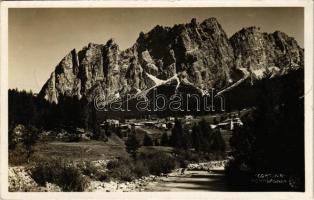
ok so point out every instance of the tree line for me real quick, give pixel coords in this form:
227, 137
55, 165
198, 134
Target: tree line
27, 109
202, 139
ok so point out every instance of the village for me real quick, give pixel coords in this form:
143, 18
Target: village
154, 127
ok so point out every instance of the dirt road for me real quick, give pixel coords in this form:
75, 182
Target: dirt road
196, 180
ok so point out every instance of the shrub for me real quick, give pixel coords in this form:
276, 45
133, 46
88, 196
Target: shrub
115, 163
43, 173
94, 172
121, 169
123, 173
71, 179
126, 169
140, 169
192, 157
74, 137
159, 162
18, 156
185, 157
65, 175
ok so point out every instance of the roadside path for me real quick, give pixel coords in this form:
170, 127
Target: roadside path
199, 180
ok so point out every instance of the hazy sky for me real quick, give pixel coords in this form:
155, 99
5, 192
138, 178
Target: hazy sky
39, 37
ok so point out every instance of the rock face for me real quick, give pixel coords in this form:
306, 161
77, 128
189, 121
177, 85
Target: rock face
199, 54
64, 80
262, 53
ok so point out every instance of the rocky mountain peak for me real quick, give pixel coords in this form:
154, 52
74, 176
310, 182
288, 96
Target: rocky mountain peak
211, 23
261, 52
112, 42
200, 52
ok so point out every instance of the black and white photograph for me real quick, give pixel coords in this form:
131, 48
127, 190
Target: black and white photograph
151, 99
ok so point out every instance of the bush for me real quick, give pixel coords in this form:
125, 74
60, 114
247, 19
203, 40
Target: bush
18, 156
65, 175
121, 170
140, 169
94, 172
71, 179
185, 157
159, 162
44, 173
74, 137
192, 157
126, 169
123, 173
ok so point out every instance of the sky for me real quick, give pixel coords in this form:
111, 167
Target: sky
40, 37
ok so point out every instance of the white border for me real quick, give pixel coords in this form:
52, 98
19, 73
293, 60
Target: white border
308, 45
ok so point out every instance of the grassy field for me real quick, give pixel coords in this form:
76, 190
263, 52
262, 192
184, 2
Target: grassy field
150, 149
89, 150
84, 150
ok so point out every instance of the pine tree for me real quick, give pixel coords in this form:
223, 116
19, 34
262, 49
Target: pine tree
205, 135
95, 124
147, 141
12, 138
29, 139
84, 114
156, 142
119, 132
176, 135
132, 144
196, 138
218, 143
164, 141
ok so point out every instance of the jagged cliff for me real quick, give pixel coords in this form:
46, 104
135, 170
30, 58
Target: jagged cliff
198, 54
262, 53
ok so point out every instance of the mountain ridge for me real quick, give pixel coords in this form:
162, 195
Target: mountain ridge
200, 54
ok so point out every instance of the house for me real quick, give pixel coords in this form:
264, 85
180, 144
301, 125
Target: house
188, 117
228, 124
161, 125
110, 122
170, 118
